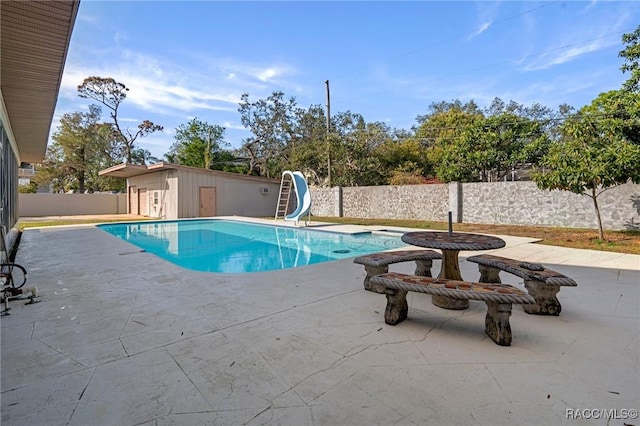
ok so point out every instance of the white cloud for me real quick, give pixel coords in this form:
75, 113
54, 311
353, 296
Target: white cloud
163, 87
128, 120
120, 37
582, 36
568, 53
591, 5
234, 126
482, 28
267, 74
486, 11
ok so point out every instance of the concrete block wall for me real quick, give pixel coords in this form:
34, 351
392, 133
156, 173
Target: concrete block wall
522, 203
419, 202
325, 201
507, 203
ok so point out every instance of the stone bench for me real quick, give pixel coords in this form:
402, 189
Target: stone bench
541, 283
498, 297
378, 263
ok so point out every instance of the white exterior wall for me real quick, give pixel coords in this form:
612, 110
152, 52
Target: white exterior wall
240, 196
44, 204
245, 199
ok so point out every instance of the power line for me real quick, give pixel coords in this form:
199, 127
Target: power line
618, 33
446, 40
567, 46
467, 34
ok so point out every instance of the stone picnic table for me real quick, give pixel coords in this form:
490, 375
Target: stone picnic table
451, 243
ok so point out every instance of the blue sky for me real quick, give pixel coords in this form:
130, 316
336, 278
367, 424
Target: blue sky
385, 60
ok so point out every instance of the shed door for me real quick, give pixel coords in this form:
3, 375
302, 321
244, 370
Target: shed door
133, 200
207, 201
143, 198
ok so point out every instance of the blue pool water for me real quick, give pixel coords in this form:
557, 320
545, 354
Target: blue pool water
212, 245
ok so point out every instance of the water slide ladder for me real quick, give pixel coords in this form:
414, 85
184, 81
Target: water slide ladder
286, 184
296, 183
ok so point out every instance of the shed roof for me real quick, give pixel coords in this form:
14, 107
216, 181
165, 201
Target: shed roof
126, 170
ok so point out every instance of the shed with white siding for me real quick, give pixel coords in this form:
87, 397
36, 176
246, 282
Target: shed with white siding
171, 191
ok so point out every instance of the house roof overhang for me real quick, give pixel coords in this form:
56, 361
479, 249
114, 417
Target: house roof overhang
34, 40
125, 170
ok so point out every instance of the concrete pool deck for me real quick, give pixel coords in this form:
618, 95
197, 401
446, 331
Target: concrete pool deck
122, 337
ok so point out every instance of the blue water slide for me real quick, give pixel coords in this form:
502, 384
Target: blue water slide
302, 195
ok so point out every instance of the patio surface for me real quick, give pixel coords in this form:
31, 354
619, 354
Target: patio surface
122, 337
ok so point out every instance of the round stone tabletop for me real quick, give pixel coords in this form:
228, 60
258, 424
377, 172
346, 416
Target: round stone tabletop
455, 241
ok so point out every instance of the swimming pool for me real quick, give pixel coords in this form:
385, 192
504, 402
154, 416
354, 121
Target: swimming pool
213, 245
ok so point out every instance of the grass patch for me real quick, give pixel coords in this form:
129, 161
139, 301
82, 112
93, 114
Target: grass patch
616, 241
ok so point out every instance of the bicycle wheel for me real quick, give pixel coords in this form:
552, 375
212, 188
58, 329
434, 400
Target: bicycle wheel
14, 274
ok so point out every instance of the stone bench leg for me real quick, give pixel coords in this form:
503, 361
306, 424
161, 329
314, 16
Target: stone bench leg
423, 268
545, 295
397, 307
489, 274
372, 271
497, 322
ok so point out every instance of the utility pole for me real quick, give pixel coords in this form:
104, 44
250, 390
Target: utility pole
207, 153
328, 134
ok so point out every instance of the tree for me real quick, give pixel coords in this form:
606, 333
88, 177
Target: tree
631, 54
404, 160
489, 148
467, 144
310, 150
595, 153
198, 144
75, 150
353, 143
271, 121
142, 156
600, 148
439, 129
111, 94
28, 188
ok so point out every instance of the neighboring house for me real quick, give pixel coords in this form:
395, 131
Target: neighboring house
34, 39
25, 174
171, 191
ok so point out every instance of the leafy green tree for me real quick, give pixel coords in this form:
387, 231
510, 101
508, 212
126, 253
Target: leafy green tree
600, 147
631, 54
437, 109
353, 143
595, 153
489, 148
310, 147
405, 161
441, 128
230, 161
464, 143
75, 150
272, 121
198, 144
111, 94
142, 156
28, 188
